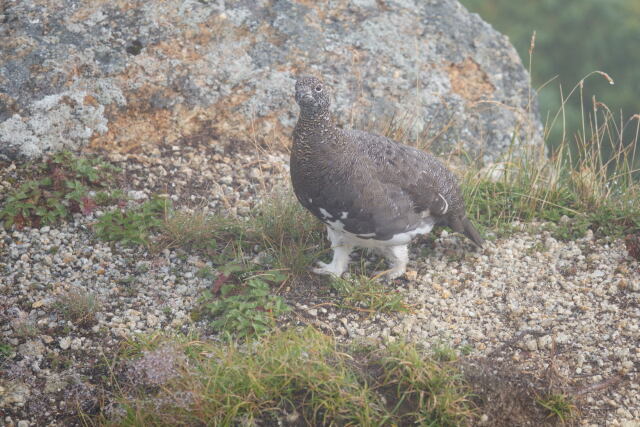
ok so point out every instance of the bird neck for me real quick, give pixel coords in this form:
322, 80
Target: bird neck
311, 119
314, 126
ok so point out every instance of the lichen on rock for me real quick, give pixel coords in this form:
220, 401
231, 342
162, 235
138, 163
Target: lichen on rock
130, 75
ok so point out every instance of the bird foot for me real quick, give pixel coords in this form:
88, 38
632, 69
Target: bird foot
326, 269
391, 274
394, 273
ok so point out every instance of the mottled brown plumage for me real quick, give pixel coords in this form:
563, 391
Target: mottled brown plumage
369, 190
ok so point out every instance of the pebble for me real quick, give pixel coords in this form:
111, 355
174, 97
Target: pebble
65, 342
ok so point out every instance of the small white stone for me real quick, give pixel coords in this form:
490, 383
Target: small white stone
531, 345
152, 320
627, 364
544, 342
76, 344
562, 338
65, 342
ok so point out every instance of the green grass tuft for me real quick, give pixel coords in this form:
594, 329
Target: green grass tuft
428, 392
367, 294
6, 351
296, 376
288, 232
560, 406
78, 306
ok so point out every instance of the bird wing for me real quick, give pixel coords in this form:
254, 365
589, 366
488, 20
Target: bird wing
428, 183
372, 186
431, 188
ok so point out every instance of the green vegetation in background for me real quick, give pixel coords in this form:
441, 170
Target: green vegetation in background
573, 39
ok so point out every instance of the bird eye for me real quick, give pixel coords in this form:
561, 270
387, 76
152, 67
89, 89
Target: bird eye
319, 88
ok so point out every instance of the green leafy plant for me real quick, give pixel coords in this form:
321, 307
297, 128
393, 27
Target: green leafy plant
133, 226
60, 187
246, 308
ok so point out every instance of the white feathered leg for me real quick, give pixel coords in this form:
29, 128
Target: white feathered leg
398, 257
341, 252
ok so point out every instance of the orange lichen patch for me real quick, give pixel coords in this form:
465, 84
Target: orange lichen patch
469, 81
125, 5
83, 13
193, 43
90, 100
176, 50
311, 4
129, 131
137, 127
21, 46
8, 101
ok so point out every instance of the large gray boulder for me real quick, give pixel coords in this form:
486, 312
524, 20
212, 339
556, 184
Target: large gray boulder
129, 75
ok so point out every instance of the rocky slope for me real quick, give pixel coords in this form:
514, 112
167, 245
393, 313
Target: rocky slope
528, 301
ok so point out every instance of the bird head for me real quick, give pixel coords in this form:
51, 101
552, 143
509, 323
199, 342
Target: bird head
312, 95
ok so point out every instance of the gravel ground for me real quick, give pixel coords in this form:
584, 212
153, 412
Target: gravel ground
528, 299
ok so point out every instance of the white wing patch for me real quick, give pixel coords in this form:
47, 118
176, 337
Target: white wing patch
366, 235
325, 213
446, 204
344, 215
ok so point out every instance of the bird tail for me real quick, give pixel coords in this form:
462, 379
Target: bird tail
464, 226
471, 232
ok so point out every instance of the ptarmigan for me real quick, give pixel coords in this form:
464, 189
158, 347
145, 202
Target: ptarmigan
370, 191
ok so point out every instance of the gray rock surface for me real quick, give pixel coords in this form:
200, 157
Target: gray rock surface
128, 75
